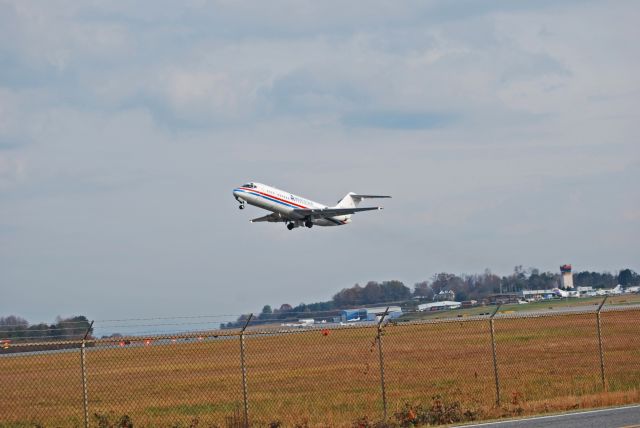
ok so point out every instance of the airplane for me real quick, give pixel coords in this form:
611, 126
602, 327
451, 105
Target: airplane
565, 293
297, 211
610, 291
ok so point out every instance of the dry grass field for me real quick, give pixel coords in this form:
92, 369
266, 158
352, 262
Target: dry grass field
332, 378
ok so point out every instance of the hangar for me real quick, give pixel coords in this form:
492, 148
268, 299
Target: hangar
369, 314
439, 306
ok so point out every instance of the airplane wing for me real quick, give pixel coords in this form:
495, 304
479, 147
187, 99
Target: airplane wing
274, 217
329, 212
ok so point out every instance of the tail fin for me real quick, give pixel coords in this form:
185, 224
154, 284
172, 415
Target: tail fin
351, 200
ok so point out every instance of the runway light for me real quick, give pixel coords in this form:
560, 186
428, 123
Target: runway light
325, 332
121, 343
147, 342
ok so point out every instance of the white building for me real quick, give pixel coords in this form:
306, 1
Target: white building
439, 306
530, 295
369, 314
445, 295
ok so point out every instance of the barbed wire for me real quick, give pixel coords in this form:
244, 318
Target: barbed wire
257, 320
116, 326
263, 328
173, 317
23, 338
285, 317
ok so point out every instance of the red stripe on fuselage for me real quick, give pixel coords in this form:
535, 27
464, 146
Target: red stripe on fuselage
274, 197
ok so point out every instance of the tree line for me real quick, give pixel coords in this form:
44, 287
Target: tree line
465, 287
14, 327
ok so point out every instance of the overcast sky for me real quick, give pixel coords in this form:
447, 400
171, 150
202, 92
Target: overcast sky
507, 133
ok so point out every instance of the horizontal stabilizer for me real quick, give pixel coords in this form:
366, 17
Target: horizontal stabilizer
369, 196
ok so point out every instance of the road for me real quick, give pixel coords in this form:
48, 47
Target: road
567, 309
619, 417
523, 312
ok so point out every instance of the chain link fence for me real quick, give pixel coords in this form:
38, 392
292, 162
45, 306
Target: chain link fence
358, 375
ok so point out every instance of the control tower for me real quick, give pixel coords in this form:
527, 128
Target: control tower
567, 277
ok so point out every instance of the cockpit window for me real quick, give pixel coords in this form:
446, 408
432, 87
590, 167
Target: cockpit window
249, 185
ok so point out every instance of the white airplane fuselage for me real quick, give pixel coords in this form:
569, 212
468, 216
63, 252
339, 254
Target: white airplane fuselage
283, 204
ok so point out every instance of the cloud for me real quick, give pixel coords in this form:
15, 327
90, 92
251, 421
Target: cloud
398, 120
11, 171
229, 66
304, 92
200, 96
123, 127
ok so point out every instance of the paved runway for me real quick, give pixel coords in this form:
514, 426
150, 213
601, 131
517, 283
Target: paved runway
619, 417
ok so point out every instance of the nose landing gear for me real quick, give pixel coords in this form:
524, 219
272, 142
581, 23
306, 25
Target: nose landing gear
240, 201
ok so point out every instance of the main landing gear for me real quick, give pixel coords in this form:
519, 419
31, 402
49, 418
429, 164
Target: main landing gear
298, 223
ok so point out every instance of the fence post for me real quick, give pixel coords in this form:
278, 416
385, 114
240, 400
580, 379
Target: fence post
495, 355
244, 373
601, 351
83, 366
381, 357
